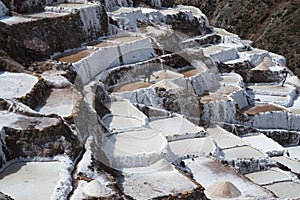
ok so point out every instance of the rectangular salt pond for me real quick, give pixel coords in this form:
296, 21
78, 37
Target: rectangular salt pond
263, 143
242, 152
207, 172
30, 180
294, 165
285, 190
148, 184
225, 139
16, 85
74, 56
202, 146
271, 88
270, 98
175, 125
60, 101
294, 152
267, 176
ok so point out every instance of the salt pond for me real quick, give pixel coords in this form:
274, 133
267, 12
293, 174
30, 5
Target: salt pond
61, 102
242, 152
16, 85
263, 177
30, 180
285, 190
207, 172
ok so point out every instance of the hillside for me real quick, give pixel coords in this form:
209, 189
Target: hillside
272, 25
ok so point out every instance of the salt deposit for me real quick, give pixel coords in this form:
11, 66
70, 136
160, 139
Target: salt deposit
95, 189
222, 189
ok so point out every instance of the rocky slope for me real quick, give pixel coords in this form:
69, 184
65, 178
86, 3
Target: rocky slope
272, 25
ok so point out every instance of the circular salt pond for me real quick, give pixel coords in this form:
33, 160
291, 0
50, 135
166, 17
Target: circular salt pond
16, 85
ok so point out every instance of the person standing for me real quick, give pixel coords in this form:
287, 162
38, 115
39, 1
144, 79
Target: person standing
285, 75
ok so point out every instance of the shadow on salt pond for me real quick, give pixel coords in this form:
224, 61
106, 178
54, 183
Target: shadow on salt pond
11, 169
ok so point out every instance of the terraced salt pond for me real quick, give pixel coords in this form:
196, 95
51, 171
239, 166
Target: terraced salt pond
16, 85
191, 72
123, 116
197, 146
18, 121
285, 190
138, 84
176, 127
231, 79
223, 138
23, 179
207, 172
75, 56
272, 88
61, 102
136, 148
264, 177
242, 152
292, 164
294, 152
263, 143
